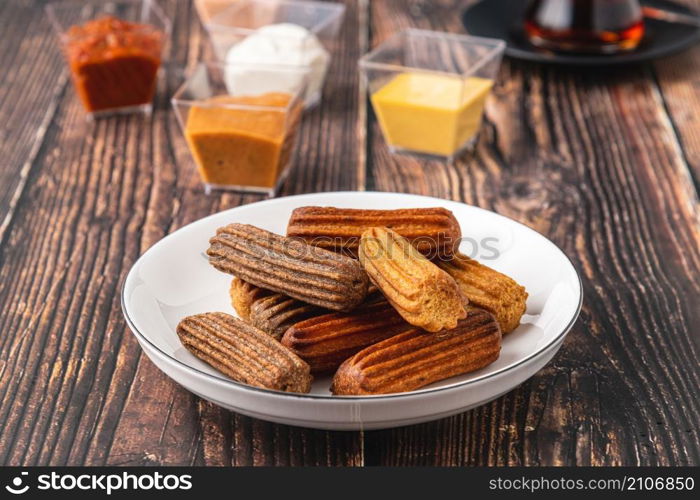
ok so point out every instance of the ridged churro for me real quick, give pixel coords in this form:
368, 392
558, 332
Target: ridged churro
488, 289
325, 341
288, 266
243, 352
415, 358
422, 293
275, 313
243, 295
433, 231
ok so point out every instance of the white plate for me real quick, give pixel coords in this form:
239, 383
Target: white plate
173, 279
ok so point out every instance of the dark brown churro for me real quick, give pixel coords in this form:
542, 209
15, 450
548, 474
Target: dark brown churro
243, 352
288, 266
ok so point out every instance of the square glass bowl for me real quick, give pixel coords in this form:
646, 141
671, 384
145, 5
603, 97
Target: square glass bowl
283, 33
114, 51
208, 8
428, 89
240, 141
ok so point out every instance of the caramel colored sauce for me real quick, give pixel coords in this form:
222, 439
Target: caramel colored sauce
242, 146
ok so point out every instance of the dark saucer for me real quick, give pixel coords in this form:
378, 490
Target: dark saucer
488, 18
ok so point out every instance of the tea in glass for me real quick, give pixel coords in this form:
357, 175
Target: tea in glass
589, 26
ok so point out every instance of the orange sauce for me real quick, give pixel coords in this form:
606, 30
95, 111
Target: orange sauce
242, 146
114, 63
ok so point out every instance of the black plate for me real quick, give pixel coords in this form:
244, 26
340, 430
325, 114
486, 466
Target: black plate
503, 18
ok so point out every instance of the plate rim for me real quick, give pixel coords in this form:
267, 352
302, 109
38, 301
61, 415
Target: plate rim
331, 397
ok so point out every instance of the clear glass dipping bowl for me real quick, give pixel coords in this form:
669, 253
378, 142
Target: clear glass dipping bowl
231, 26
429, 89
117, 78
240, 142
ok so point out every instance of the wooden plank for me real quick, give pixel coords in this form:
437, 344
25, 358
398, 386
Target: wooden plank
74, 388
329, 153
260, 443
327, 159
589, 160
678, 79
29, 92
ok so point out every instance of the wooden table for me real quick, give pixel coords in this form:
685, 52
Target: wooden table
604, 164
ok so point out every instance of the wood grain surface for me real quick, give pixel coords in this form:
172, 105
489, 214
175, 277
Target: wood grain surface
605, 164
